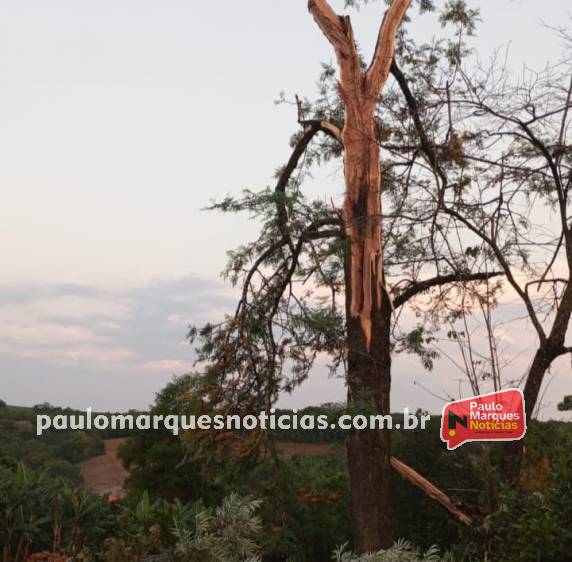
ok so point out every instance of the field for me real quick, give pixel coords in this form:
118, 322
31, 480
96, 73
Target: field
105, 474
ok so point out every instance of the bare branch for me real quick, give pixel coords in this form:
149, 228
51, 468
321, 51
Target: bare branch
416, 288
430, 489
431, 155
378, 70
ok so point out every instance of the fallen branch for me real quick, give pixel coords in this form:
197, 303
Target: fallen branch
431, 490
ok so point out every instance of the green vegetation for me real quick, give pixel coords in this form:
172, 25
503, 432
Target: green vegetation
304, 509
56, 453
180, 506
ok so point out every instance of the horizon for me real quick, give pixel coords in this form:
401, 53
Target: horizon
116, 132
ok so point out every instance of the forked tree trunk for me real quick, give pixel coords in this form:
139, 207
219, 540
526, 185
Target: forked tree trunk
360, 91
367, 304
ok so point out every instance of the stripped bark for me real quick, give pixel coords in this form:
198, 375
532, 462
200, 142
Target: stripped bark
368, 312
430, 489
360, 91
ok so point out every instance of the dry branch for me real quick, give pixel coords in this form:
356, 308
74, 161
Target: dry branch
430, 489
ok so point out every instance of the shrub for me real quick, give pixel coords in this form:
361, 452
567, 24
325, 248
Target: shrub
401, 551
226, 535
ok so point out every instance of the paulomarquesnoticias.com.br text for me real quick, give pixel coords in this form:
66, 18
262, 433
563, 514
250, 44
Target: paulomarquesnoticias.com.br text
271, 420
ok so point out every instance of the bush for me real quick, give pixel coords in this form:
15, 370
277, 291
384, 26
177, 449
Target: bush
226, 535
402, 551
533, 521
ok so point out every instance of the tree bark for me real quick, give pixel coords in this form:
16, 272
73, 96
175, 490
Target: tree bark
369, 451
360, 91
547, 352
368, 307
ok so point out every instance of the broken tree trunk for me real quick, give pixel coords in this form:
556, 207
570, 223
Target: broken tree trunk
368, 309
368, 450
360, 91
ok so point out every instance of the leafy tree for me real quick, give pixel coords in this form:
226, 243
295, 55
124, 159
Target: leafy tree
510, 191
156, 459
226, 535
320, 281
40, 512
532, 522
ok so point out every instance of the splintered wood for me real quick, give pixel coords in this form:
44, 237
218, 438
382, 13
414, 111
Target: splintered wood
360, 91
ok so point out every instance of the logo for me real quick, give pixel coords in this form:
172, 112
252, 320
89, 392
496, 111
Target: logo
498, 416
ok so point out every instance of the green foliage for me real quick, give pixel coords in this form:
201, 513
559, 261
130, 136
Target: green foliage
38, 512
306, 507
55, 452
418, 342
303, 511
157, 460
459, 14
227, 534
533, 521
144, 528
401, 552
305, 503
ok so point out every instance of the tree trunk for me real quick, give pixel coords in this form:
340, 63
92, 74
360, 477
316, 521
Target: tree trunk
547, 352
362, 208
369, 451
513, 452
368, 308
360, 90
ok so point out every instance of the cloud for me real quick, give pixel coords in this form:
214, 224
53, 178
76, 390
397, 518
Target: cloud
166, 365
85, 333
114, 349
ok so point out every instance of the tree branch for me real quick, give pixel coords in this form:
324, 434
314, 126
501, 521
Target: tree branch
415, 288
428, 149
430, 489
338, 30
426, 145
312, 128
331, 25
378, 70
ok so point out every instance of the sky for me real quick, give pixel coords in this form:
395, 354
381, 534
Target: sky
120, 120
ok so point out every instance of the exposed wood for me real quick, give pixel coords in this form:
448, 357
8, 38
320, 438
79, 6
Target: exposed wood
430, 489
360, 92
380, 66
368, 306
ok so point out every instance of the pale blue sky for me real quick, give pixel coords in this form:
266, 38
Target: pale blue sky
119, 121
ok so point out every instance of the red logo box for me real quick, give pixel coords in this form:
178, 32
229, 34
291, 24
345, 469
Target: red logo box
498, 416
